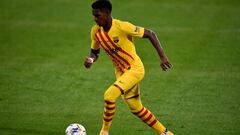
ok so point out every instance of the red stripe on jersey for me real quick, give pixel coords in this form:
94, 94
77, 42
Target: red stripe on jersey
148, 118
152, 123
105, 42
115, 60
124, 52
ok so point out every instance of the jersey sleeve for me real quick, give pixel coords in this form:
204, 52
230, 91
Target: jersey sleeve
94, 43
132, 30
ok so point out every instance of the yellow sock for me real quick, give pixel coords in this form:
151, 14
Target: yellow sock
148, 118
109, 111
144, 114
110, 97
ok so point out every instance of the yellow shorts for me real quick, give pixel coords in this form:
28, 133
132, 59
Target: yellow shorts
129, 81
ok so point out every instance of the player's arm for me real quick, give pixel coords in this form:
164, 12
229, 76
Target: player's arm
93, 56
165, 64
95, 50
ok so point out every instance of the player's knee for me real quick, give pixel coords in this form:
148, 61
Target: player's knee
108, 97
111, 94
134, 106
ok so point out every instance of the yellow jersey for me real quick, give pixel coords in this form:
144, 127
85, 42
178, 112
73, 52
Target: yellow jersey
118, 43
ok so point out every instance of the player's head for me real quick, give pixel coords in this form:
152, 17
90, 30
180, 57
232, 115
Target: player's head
104, 5
101, 10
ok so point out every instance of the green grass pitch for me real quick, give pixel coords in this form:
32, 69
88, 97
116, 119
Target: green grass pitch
44, 86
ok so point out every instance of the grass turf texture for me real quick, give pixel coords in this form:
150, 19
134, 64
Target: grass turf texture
44, 86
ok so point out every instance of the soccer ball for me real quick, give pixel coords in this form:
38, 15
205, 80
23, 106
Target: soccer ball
75, 129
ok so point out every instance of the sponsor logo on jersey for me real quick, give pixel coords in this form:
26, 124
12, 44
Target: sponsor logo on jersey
115, 50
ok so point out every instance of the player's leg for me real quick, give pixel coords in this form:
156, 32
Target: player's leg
132, 98
124, 82
110, 96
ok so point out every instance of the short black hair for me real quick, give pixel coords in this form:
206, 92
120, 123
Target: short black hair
102, 4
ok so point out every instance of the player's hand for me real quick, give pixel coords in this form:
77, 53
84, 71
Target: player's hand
165, 64
88, 62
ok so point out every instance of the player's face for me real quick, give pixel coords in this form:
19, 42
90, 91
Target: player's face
100, 17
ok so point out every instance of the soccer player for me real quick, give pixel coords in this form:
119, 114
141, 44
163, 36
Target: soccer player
116, 38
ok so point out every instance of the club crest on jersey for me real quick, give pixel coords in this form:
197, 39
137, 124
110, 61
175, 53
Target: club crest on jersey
115, 39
